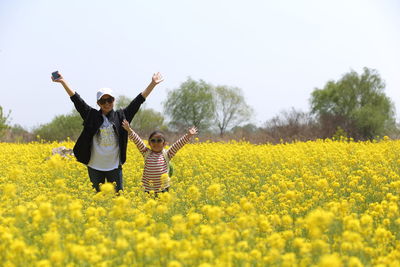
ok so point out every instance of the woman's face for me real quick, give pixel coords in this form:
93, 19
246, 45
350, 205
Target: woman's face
157, 142
106, 103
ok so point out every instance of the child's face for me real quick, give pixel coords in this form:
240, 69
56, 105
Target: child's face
157, 142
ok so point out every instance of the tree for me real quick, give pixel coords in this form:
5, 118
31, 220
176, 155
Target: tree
247, 129
191, 104
145, 120
290, 125
122, 102
230, 108
3, 121
61, 127
356, 103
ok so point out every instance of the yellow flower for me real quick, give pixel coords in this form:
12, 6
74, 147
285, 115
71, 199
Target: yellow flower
289, 259
174, 264
121, 243
214, 191
164, 179
255, 254
194, 218
213, 212
291, 204
141, 220
9, 190
208, 253
193, 193
276, 241
75, 209
287, 221
382, 235
51, 238
20, 211
354, 262
57, 257
44, 263
366, 220
46, 210
107, 189
18, 246
92, 235
162, 209
318, 222
330, 260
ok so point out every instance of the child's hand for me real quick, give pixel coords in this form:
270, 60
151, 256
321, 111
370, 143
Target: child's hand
192, 131
157, 78
126, 126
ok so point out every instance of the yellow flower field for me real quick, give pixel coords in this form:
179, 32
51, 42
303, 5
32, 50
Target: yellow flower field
322, 203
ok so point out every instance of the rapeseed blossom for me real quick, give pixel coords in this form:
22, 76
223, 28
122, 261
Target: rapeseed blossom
319, 203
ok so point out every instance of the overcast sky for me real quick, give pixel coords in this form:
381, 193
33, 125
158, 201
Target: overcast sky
277, 52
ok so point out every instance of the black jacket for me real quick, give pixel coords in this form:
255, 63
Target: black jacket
93, 119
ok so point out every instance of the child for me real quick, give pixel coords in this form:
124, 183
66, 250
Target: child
155, 162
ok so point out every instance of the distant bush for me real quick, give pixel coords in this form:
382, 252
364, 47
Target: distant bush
61, 128
292, 125
17, 134
3, 121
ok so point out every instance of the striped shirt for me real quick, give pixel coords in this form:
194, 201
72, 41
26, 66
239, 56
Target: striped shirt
155, 164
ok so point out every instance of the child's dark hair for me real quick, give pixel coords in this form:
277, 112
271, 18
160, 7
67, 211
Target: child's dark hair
157, 132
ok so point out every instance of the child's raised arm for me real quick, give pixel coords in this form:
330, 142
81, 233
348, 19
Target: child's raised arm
181, 142
134, 137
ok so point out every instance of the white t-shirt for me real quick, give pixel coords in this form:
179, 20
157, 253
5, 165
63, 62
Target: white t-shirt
105, 149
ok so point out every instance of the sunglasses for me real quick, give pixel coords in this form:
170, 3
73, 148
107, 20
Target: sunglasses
109, 100
158, 140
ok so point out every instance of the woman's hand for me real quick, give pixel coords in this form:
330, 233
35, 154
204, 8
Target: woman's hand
59, 79
157, 78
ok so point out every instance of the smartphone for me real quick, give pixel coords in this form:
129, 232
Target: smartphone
56, 75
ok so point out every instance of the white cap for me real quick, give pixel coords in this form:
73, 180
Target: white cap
104, 91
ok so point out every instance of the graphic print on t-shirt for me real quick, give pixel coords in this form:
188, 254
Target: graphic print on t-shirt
105, 149
106, 136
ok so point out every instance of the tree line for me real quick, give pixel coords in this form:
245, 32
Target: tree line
355, 106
